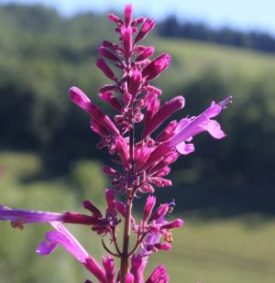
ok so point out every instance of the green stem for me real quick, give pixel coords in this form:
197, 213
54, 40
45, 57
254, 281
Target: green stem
124, 265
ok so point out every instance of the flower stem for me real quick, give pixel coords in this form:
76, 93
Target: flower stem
124, 266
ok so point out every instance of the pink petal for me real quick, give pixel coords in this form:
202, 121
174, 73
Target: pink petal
61, 236
45, 248
129, 278
149, 205
214, 129
185, 148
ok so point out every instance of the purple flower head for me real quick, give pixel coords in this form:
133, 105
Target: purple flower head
190, 127
156, 230
143, 144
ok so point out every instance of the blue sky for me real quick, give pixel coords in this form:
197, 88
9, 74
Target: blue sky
244, 14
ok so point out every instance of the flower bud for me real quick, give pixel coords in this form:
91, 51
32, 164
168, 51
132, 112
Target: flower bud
160, 64
134, 84
129, 278
102, 65
111, 100
161, 182
158, 275
147, 26
163, 246
103, 51
128, 14
146, 53
160, 212
110, 171
111, 201
114, 18
149, 205
93, 266
79, 97
109, 266
169, 108
91, 207
126, 37
173, 224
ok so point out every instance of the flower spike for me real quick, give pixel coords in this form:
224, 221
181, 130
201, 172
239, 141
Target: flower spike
143, 144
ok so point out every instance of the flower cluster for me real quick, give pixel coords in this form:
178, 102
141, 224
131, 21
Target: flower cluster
142, 159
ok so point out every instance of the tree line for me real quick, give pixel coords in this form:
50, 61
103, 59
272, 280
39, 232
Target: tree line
256, 40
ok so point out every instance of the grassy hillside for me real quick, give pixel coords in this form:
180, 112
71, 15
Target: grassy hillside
237, 250
197, 56
191, 59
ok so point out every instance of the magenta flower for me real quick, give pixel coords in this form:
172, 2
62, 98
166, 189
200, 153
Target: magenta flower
145, 53
189, 127
109, 267
138, 265
167, 110
159, 275
141, 163
61, 236
28, 216
80, 98
147, 26
160, 64
102, 65
148, 208
157, 229
19, 217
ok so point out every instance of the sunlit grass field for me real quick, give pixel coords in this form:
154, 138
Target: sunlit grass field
197, 57
239, 250
235, 250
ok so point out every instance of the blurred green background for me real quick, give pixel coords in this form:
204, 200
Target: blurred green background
48, 160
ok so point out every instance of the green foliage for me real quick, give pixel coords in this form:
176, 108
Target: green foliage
88, 180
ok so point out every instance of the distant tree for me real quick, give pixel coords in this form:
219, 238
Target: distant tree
172, 27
